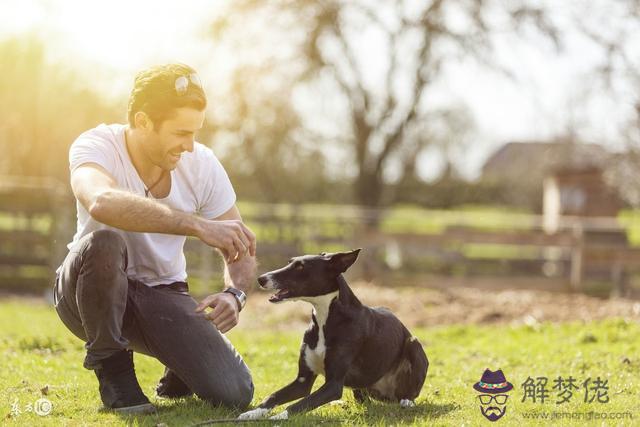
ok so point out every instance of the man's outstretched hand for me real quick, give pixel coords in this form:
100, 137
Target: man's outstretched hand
234, 239
225, 313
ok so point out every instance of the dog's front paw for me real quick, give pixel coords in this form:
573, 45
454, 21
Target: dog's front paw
284, 415
254, 414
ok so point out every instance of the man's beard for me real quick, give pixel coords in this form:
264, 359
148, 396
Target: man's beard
493, 413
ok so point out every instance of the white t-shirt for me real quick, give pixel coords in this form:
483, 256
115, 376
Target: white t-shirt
199, 185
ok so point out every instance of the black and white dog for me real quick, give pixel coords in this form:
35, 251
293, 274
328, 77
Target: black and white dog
366, 349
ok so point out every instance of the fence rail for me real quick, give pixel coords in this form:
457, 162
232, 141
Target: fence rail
37, 220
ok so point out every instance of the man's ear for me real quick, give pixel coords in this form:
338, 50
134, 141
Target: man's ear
341, 261
143, 121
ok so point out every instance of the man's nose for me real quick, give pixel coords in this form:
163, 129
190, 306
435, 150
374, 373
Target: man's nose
188, 146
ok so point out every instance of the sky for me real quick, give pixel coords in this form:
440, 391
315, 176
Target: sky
112, 40
109, 41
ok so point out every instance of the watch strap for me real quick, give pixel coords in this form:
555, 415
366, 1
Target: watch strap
241, 297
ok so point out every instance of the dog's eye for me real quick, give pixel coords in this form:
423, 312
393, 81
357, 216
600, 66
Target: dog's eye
297, 265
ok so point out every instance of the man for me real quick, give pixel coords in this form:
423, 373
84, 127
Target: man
140, 189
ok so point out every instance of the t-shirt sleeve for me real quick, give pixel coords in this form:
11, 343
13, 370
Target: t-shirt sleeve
91, 147
218, 195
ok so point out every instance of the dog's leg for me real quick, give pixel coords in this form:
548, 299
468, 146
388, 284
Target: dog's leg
337, 364
298, 388
360, 395
330, 391
409, 383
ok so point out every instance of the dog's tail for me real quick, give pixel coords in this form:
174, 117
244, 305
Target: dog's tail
414, 377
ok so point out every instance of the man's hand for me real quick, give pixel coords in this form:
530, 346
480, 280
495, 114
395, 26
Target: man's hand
225, 314
232, 237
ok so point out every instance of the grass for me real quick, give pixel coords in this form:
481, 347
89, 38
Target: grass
37, 351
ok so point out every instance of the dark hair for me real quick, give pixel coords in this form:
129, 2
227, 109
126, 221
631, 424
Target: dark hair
154, 93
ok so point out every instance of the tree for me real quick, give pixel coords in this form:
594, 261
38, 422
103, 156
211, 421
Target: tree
618, 75
44, 107
376, 61
266, 151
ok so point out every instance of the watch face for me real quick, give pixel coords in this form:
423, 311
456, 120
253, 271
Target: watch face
238, 294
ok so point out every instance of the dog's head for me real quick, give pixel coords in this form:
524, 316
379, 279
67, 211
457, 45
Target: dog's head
307, 275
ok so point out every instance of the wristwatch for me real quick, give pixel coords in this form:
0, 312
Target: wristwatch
241, 297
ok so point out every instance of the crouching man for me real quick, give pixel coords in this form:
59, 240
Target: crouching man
140, 189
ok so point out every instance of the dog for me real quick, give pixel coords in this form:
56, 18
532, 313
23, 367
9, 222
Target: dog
366, 349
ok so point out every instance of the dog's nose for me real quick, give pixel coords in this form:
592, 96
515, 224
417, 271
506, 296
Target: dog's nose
262, 280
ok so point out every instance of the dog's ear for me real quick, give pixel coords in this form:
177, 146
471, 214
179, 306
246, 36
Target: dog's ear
341, 261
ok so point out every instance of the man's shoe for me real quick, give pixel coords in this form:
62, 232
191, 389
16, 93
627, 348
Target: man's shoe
172, 387
119, 387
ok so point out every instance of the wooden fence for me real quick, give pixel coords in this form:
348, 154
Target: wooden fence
37, 221
582, 250
33, 220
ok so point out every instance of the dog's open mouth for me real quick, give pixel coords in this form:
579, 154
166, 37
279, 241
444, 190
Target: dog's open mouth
280, 295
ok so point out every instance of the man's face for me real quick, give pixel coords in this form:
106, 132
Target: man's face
493, 407
164, 145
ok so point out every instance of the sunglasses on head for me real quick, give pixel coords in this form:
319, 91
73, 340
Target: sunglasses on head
182, 83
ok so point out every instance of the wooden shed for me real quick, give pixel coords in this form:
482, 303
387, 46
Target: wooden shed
576, 191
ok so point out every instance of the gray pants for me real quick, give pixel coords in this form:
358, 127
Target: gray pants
99, 304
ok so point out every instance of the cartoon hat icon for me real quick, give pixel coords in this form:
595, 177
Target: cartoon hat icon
493, 382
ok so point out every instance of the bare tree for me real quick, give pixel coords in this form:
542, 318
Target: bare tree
618, 75
408, 43
266, 151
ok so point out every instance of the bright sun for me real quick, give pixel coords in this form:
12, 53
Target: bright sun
119, 34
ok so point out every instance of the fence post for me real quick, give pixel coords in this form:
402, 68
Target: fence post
62, 229
618, 278
577, 253
206, 267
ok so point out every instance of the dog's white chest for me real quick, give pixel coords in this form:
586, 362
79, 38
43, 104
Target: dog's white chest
314, 357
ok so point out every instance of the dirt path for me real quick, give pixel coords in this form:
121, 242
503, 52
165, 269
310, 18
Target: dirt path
450, 303
455, 305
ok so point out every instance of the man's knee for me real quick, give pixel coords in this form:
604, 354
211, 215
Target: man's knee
102, 241
244, 395
105, 249
231, 392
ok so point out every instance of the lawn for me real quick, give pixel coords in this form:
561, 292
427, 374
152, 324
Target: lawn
38, 352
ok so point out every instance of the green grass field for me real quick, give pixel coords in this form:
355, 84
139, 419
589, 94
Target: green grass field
37, 351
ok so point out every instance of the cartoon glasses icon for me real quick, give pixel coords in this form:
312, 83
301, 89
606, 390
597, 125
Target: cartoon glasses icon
500, 399
182, 83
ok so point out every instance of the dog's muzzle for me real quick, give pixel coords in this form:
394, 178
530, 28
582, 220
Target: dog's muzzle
266, 282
